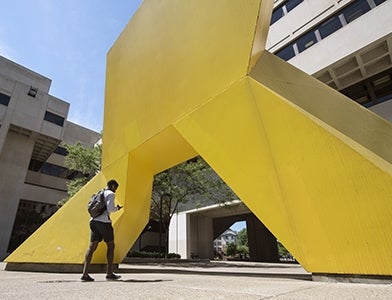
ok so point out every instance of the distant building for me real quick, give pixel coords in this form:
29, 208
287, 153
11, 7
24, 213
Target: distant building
227, 237
33, 130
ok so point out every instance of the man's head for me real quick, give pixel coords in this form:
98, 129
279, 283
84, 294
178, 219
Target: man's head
112, 185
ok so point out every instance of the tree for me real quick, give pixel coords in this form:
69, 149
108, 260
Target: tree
242, 243
242, 238
85, 162
191, 181
231, 249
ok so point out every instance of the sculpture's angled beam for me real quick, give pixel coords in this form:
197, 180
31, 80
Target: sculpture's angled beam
325, 200
330, 106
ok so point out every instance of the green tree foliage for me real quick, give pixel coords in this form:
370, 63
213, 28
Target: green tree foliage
191, 181
86, 162
84, 159
231, 249
242, 238
242, 243
243, 250
282, 250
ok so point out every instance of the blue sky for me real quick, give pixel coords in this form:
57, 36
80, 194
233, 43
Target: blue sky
238, 226
66, 41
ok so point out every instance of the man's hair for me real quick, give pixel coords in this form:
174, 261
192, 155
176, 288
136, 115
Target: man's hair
113, 182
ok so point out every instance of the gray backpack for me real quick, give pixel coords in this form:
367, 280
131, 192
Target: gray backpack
97, 204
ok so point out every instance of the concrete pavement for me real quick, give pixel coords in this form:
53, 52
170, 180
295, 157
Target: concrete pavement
223, 280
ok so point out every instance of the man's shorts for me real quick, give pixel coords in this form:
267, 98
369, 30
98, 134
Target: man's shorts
101, 230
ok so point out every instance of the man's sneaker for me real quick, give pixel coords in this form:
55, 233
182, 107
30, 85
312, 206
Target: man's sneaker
86, 278
112, 277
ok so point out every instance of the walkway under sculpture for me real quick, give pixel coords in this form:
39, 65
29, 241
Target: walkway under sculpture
189, 78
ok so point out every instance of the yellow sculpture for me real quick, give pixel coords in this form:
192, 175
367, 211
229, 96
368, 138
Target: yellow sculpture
192, 77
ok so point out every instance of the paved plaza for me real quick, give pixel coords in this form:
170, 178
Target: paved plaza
191, 281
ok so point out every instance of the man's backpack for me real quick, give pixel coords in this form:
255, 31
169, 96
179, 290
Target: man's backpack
97, 204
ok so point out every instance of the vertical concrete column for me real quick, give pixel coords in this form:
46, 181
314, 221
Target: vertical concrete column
14, 161
178, 235
205, 237
262, 243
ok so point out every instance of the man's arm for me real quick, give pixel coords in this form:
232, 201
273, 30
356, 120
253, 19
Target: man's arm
110, 203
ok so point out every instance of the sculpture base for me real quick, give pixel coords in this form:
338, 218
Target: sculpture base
352, 278
56, 268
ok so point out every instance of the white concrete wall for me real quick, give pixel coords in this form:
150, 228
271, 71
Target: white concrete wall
15, 159
338, 45
179, 235
76, 133
19, 73
333, 48
191, 233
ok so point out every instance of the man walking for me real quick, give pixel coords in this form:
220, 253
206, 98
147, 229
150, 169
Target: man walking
101, 228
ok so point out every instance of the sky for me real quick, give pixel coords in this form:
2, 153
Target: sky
238, 226
67, 42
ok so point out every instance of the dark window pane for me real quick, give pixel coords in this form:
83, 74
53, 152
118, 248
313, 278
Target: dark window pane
292, 4
277, 14
30, 215
306, 41
4, 99
384, 98
286, 53
330, 26
61, 151
53, 118
378, 2
355, 10
53, 170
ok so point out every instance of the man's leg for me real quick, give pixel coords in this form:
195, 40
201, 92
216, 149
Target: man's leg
89, 255
109, 257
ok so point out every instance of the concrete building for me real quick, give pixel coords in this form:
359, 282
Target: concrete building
347, 44
33, 129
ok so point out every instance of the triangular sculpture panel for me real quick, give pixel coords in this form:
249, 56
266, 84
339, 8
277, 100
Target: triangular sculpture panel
192, 77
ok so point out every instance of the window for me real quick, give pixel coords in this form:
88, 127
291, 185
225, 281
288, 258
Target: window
334, 23
53, 118
355, 10
61, 151
378, 2
53, 170
286, 53
306, 41
329, 26
291, 4
33, 91
4, 99
277, 14
29, 216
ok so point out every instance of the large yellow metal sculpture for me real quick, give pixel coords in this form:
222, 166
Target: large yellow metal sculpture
193, 77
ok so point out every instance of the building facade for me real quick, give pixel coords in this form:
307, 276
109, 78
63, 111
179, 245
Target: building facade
221, 242
347, 44
33, 130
